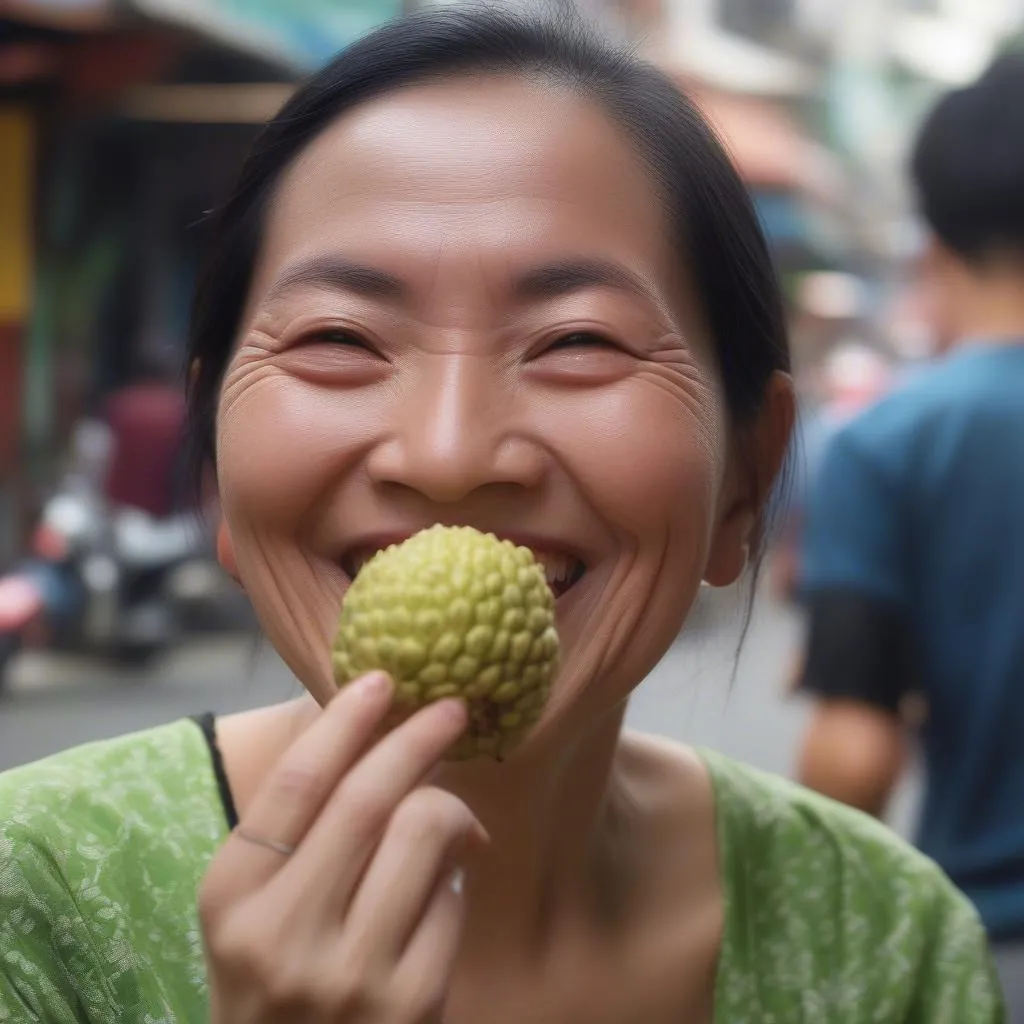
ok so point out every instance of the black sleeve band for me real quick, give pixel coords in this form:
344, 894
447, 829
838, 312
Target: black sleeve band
858, 648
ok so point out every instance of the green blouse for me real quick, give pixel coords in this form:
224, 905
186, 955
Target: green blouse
829, 916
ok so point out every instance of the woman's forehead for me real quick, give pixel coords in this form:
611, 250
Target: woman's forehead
530, 129
504, 170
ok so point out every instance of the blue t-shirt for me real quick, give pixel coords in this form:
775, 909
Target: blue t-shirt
919, 505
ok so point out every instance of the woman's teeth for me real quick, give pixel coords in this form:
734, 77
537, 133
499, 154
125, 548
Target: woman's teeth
561, 571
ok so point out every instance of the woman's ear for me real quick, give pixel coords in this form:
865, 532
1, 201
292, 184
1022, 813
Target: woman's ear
754, 464
226, 551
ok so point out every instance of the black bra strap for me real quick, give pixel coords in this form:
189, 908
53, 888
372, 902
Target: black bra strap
208, 723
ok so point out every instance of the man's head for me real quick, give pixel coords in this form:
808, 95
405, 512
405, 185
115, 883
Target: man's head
968, 170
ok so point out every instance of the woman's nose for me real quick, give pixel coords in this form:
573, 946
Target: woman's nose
454, 432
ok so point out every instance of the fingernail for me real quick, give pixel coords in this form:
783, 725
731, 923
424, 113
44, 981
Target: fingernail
456, 881
373, 685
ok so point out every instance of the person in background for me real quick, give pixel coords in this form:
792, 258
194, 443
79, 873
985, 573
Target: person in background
853, 376
146, 419
913, 562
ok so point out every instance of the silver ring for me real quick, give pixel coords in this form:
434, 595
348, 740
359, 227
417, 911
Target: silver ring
284, 849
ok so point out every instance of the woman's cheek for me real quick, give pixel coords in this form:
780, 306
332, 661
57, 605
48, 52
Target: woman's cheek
645, 458
278, 452
282, 443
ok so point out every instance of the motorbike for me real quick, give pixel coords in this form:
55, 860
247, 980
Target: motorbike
112, 583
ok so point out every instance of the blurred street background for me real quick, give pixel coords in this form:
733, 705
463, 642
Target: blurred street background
121, 125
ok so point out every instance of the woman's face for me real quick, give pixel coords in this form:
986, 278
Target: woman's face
467, 310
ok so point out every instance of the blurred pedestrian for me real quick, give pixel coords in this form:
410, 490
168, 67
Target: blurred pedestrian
853, 376
146, 419
913, 565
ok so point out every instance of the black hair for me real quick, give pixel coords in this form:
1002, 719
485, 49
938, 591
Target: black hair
968, 165
712, 219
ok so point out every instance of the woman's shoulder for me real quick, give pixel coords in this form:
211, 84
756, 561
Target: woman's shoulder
829, 906
101, 850
105, 788
803, 850
759, 799
792, 826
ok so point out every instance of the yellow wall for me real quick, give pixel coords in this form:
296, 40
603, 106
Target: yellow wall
16, 180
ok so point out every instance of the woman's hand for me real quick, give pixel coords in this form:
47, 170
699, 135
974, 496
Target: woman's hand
361, 921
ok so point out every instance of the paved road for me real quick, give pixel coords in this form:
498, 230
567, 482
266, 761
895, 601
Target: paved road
699, 693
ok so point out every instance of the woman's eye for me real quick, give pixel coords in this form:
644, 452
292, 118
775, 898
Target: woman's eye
581, 339
345, 338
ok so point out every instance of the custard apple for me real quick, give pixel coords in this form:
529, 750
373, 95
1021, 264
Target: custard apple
453, 612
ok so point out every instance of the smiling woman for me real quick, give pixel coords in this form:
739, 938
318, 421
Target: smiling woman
482, 270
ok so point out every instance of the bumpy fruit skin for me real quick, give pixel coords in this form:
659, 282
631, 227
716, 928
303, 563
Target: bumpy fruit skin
453, 612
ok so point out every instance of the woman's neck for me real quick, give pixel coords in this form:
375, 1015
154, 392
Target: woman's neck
552, 816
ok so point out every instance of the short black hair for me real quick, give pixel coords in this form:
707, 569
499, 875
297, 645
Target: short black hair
968, 164
712, 219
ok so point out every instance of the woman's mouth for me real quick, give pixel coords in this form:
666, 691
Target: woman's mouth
561, 570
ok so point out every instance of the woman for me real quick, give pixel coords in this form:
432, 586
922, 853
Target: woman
480, 270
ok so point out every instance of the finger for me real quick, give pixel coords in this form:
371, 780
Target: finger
341, 841
423, 973
424, 839
294, 793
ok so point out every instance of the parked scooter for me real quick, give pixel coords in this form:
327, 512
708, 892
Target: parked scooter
113, 583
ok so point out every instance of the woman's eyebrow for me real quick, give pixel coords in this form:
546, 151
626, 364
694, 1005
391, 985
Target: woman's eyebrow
546, 281
563, 277
341, 274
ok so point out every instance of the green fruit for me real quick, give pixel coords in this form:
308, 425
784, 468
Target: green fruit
453, 612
